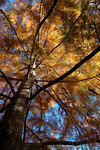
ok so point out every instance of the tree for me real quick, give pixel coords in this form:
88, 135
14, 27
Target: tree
49, 74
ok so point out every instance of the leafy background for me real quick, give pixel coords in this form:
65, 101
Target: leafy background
68, 110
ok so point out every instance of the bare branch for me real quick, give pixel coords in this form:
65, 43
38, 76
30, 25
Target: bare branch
7, 80
34, 134
72, 143
65, 81
5, 96
11, 78
39, 145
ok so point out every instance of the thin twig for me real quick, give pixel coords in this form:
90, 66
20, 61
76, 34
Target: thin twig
34, 134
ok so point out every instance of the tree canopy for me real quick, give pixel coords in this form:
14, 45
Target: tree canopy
50, 73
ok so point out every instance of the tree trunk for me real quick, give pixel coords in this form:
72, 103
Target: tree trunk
11, 125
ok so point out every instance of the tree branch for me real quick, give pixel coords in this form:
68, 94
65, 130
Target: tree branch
67, 73
5, 96
29, 146
4, 108
57, 103
96, 32
34, 134
40, 24
11, 78
96, 5
64, 81
5, 77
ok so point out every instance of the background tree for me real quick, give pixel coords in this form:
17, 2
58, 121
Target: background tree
50, 79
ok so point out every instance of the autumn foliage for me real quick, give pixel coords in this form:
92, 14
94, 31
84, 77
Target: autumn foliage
50, 73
